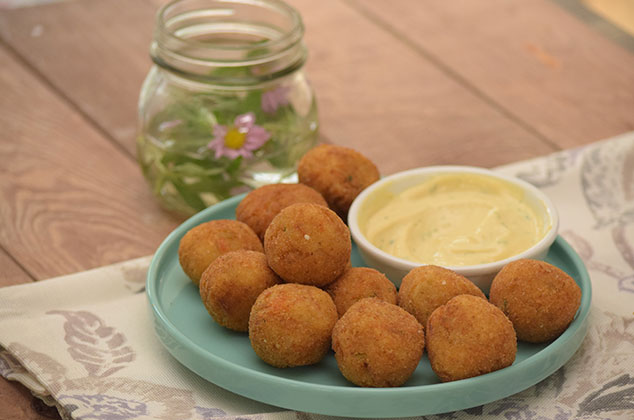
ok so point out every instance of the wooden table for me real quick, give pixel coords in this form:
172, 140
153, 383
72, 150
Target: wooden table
408, 83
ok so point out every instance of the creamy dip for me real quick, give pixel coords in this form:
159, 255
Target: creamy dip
454, 220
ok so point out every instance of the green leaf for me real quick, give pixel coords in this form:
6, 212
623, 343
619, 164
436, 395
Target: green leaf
191, 198
234, 166
190, 169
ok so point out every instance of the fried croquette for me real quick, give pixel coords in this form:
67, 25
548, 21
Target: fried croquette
338, 173
261, 205
307, 243
204, 243
230, 285
540, 299
468, 336
377, 344
357, 283
427, 287
291, 325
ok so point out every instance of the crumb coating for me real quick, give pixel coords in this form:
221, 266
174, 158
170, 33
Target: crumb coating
204, 243
291, 325
377, 344
540, 299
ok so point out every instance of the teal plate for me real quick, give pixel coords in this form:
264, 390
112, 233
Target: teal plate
226, 359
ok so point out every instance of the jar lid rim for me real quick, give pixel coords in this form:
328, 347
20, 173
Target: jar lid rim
291, 37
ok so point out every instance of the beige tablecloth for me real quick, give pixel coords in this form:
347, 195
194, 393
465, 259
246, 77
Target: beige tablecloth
86, 343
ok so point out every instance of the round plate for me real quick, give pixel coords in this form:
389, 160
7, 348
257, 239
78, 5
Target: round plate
226, 358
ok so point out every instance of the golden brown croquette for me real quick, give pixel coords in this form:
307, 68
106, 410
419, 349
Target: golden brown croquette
377, 344
357, 283
291, 325
468, 336
307, 243
338, 173
261, 205
540, 299
427, 287
230, 285
204, 243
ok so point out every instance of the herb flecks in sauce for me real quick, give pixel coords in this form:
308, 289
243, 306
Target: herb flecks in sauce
455, 220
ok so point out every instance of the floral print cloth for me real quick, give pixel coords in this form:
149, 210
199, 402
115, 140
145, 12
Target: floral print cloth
85, 342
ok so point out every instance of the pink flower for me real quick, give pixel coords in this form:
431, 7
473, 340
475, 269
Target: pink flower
274, 98
239, 139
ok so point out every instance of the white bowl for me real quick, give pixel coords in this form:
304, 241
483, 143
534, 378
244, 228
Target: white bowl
481, 274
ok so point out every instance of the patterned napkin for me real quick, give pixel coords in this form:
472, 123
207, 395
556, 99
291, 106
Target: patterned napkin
85, 342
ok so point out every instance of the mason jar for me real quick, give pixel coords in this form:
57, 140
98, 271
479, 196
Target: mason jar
226, 106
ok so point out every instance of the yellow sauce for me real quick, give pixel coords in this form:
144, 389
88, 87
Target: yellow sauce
453, 220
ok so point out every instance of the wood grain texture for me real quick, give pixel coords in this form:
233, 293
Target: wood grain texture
372, 90
95, 53
533, 59
17, 403
379, 96
10, 272
70, 199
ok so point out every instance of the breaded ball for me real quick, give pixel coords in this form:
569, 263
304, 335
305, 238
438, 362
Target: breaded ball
468, 336
427, 287
230, 285
338, 173
261, 205
377, 344
204, 243
307, 243
291, 325
357, 283
540, 299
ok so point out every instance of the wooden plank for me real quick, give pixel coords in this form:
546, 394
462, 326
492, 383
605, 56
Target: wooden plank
378, 95
90, 52
69, 199
17, 403
534, 59
11, 273
619, 12
368, 87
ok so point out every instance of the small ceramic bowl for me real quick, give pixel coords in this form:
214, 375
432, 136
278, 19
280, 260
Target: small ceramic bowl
481, 274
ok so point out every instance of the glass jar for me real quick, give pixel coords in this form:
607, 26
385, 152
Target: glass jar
226, 107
